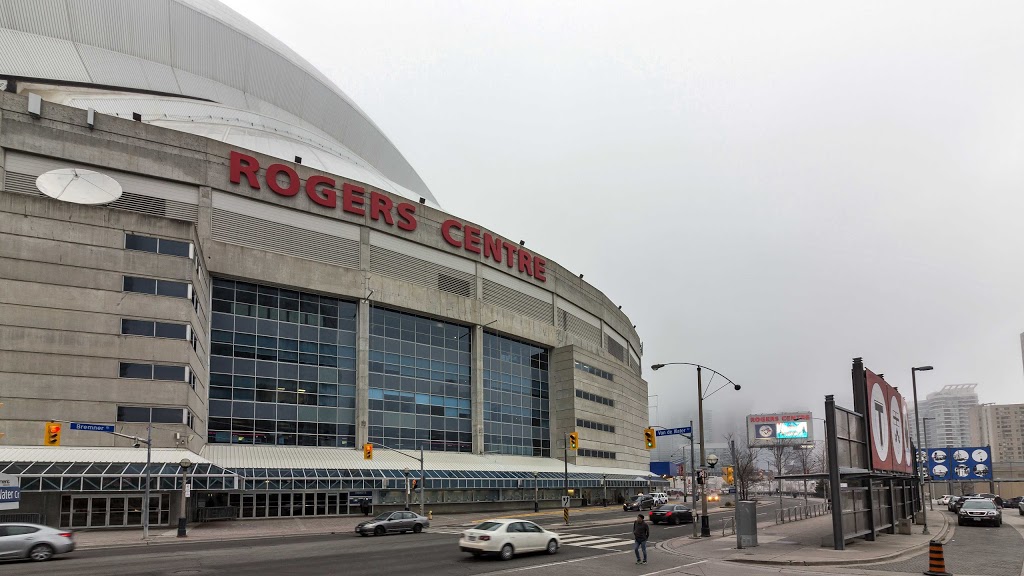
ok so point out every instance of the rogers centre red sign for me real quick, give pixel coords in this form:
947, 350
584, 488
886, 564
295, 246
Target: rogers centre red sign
323, 191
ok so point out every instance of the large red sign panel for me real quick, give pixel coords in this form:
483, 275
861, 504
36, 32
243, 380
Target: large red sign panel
888, 426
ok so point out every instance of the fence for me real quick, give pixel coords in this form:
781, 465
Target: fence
29, 517
796, 513
729, 524
209, 513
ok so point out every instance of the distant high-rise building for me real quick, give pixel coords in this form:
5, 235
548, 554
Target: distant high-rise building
1000, 426
950, 409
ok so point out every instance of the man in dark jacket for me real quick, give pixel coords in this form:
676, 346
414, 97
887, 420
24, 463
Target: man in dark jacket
641, 532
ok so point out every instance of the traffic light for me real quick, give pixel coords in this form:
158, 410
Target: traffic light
727, 474
650, 439
367, 451
52, 437
574, 440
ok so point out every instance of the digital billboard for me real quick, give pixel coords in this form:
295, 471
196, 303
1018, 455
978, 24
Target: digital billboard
783, 428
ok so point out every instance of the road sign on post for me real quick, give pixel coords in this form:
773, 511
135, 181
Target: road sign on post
674, 431
91, 427
566, 501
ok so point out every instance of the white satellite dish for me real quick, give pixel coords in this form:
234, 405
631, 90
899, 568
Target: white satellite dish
79, 186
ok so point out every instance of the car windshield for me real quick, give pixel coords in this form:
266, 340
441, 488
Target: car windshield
666, 508
979, 505
383, 516
488, 526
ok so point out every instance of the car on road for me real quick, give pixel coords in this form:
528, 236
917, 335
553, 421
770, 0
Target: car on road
1020, 506
944, 501
979, 511
400, 522
639, 503
34, 541
659, 498
506, 537
714, 497
672, 514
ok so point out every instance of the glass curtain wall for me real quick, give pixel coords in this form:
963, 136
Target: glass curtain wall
282, 367
419, 383
516, 417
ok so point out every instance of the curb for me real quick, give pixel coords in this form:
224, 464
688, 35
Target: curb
152, 542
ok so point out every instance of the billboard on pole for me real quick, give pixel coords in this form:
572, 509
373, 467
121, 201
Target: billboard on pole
958, 464
781, 428
888, 426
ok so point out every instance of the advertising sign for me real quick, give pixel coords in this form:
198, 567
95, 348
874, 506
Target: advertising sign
960, 464
10, 492
783, 428
887, 422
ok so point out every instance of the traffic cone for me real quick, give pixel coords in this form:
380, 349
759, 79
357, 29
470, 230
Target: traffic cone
936, 561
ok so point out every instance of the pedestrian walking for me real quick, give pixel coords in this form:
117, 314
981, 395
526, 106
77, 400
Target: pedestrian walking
641, 532
364, 507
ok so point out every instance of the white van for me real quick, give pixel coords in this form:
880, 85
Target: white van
659, 498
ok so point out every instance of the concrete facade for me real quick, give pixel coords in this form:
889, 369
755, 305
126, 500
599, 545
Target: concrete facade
62, 270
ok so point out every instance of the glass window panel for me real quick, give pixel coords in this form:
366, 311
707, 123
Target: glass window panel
143, 243
137, 327
132, 370
174, 247
176, 373
171, 288
140, 285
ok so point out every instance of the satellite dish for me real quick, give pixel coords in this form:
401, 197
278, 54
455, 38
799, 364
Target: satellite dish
79, 186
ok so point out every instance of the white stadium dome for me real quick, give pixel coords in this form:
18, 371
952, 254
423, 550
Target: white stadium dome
199, 67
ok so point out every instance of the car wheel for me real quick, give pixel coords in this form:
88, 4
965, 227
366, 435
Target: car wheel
379, 531
552, 546
41, 552
959, 522
506, 552
417, 528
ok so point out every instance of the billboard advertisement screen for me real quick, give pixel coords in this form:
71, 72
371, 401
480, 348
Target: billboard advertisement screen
887, 422
782, 428
960, 464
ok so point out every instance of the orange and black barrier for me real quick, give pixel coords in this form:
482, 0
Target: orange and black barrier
936, 560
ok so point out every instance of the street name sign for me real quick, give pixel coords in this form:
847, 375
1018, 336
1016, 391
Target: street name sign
672, 431
91, 427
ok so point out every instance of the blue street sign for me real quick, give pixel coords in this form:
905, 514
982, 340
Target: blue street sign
671, 431
92, 427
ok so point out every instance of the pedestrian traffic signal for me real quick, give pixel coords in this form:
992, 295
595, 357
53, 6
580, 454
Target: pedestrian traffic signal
574, 440
650, 439
727, 474
52, 437
367, 451
414, 484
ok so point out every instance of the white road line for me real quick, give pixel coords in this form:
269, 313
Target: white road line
588, 540
549, 564
590, 543
675, 568
613, 545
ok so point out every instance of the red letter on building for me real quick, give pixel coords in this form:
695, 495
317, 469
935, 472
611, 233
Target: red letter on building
407, 215
510, 252
538, 268
472, 239
242, 164
446, 231
293, 180
352, 199
492, 247
329, 198
525, 262
380, 205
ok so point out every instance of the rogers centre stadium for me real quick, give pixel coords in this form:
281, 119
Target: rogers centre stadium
203, 238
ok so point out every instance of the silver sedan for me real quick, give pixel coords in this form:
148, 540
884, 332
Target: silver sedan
400, 522
23, 540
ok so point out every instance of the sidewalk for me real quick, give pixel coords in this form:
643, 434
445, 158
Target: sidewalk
799, 544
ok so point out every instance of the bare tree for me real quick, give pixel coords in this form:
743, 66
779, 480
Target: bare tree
744, 459
780, 454
803, 463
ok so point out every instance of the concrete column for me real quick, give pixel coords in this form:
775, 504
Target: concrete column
3, 159
477, 392
205, 224
362, 373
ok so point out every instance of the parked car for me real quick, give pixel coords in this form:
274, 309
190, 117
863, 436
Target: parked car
507, 537
672, 514
945, 499
659, 498
638, 503
979, 511
34, 541
400, 522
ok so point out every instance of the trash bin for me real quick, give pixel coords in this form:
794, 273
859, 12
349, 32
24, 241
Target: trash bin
746, 524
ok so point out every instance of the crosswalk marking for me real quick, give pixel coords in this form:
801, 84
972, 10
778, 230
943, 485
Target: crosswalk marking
579, 540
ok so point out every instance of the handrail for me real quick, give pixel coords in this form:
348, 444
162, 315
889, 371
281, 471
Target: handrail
728, 522
796, 513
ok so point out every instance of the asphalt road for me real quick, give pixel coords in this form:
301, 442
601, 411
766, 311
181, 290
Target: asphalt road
595, 543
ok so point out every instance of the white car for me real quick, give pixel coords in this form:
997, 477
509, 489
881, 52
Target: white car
659, 498
944, 501
507, 537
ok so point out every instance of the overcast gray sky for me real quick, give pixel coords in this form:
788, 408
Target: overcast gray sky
768, 188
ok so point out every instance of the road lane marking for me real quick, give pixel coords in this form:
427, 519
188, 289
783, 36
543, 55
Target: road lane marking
549, 564
674, 568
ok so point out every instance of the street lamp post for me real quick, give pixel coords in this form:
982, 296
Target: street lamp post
604, 487
924, 442
182, 510
536, 502
917, 424
406, 472
705, 525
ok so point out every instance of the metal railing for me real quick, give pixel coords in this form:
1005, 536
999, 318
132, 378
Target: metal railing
797, 513
29, 517
216, 513
728, 524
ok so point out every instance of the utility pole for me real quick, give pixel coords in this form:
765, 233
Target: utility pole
565, 459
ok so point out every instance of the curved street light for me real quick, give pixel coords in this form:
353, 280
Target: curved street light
705, 526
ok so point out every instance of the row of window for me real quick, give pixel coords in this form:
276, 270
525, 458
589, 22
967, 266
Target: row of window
158, 245
157, 372
157, 287
594, 370
594, 398
587, 452
156, 329
146, 414
594, 425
